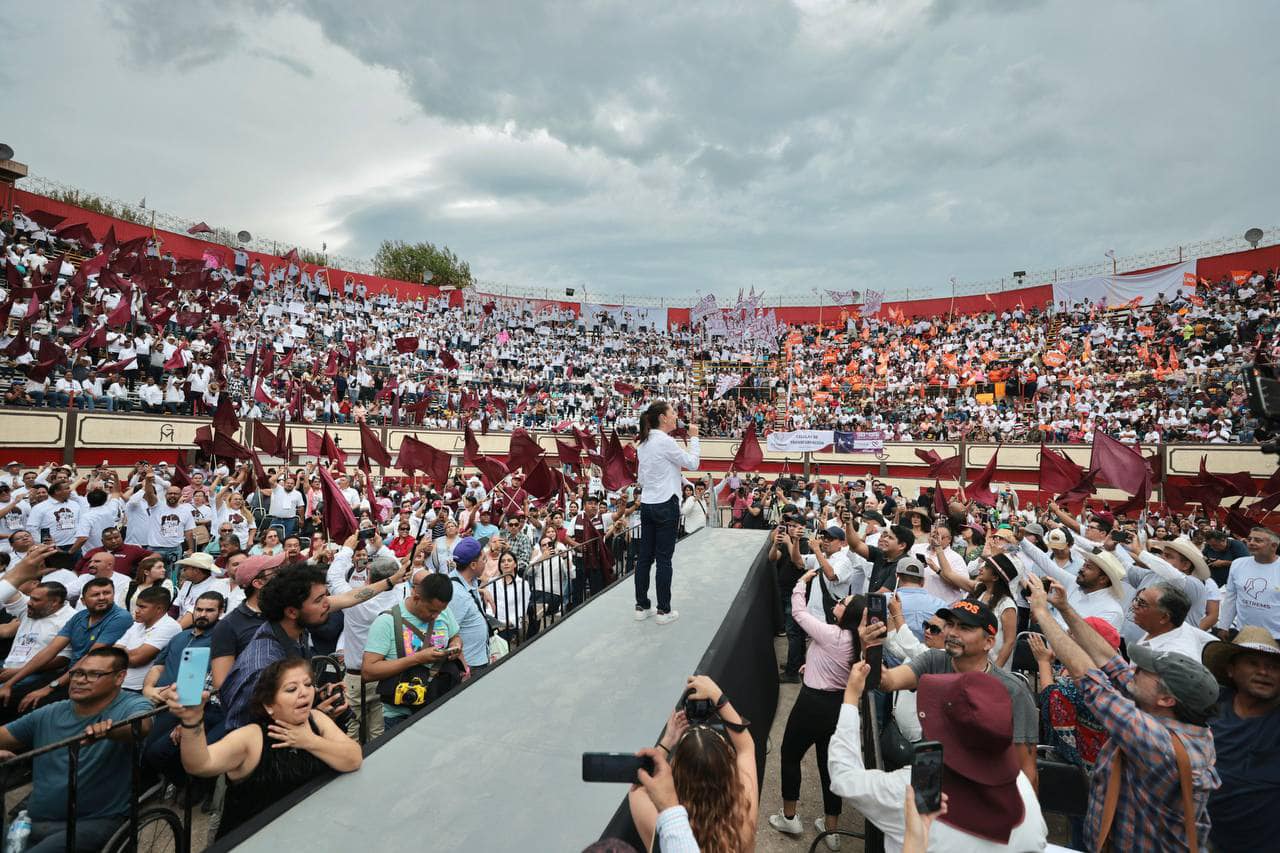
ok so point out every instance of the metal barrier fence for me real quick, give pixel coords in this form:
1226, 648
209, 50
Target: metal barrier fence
536, 600
153, 829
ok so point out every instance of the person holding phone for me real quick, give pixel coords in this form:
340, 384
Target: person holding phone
660, 462
286, 744
991, 804
832, 649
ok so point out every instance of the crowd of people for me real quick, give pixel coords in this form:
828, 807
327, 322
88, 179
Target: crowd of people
314, 643
286, 341
1140, 656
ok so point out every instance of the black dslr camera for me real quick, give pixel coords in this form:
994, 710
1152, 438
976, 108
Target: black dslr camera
701, 712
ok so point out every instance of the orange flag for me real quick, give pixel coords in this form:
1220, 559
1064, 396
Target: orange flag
1240, 276
1173, 359
1088, 349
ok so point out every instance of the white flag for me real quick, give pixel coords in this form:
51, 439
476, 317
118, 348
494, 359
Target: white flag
727, 383
874, 300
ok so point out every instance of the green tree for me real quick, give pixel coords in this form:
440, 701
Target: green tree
408, 261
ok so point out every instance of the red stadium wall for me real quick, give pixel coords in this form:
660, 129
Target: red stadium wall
186, 246
1254, 260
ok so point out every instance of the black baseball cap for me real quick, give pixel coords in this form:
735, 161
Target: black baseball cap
975, 614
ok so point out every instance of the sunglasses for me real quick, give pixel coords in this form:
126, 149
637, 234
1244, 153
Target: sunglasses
930, 628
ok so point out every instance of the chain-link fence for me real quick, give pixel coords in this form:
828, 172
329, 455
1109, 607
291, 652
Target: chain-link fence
1173, 254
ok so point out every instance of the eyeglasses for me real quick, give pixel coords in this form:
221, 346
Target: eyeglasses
930, 628
89, 674
1139, 604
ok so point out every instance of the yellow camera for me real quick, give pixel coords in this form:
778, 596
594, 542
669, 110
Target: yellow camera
412, 692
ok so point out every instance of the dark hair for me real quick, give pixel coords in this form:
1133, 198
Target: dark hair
852, 616
96, 497
154, 595
903, 535
96, 582
290, 587
119, 658
54, 588
649, 419
436, 587
112, 529
212, 595
268, 684
1103, 524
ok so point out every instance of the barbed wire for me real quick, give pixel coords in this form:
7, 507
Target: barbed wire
1187, 252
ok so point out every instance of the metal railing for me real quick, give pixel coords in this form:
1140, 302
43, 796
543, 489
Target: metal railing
798, 295
537, 599
126, 837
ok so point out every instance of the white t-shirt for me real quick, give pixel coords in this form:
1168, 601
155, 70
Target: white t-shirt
239, 521
285, 504
60, 518
188, 593
1251, 595
157, 636
33, 634
137, 519
97, 519
851, 578
169, 525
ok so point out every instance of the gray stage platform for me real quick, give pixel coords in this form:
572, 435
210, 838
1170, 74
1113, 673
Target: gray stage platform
500, 765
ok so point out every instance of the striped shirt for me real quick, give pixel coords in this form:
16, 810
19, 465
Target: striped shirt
1149, 810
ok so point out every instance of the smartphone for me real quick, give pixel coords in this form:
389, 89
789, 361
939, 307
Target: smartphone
926, 776
59, 560
368, 533
613, 766
877, 611
191, 675
877, 608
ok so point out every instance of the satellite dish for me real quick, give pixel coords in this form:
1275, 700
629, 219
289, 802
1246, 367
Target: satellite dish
244, 236
6, 153
1253, 235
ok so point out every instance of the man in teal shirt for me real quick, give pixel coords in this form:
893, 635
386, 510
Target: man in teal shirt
102, 787
428, 637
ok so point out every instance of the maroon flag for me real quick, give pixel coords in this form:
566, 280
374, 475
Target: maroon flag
749, 455
415, 455
492, 471
1058, 474
523, 451
1176, 496
224, 416
1119, 465
122, 313
329, 448
339, 521
617, 472
45, 219
370, 493
979, 489
288, 358
176, 361
284, 440
259, 473
331, 366
204, 438
406, 345
569, 454
939, 500
260, 395
315, 443
939, 467
200, 228
225, 445
540, 483
447, 359
1229, 485
1236, 521
265, 440
181, 478
624, 389
470, 446
371, 447
33, 306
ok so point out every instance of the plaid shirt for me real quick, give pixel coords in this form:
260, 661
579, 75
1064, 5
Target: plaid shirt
521, 545
1149, 810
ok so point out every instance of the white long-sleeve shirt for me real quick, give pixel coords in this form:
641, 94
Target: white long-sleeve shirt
1103, 603
660, 461
1251, 595
879, 795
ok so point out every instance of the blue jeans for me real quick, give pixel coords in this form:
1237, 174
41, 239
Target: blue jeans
289, 524
50, 836
659, 524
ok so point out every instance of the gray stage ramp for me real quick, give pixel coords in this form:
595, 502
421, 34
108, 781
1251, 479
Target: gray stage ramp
500, 766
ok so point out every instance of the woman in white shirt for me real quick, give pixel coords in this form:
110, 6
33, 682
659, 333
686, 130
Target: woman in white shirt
231, 510
441, 559
510, 596
660, 462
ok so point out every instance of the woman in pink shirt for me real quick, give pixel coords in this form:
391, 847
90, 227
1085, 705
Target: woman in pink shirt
832, 650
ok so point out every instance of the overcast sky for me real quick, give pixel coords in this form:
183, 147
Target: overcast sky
666, 148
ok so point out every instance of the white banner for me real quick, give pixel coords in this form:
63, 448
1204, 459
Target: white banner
1115, 290
632, 316
727, 383
801, 440
706, 305
872, 303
